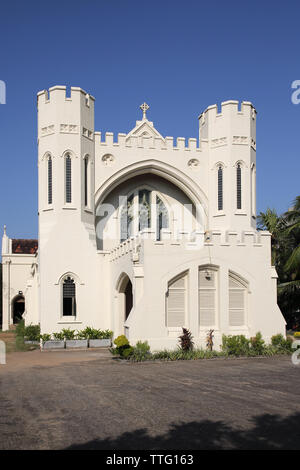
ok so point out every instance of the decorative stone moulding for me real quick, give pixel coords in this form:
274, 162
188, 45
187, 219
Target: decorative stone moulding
47, 130
69, 129
240, 139
108, 159
194, 164
218, 142
87, 133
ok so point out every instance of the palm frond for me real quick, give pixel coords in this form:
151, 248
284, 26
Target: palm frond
293, 262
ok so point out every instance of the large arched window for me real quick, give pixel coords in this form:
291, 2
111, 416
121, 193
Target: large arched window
220, 188
237, 301
49, 179
69, 297
238, 186
207, 296
176, 302
143, 209
68, 179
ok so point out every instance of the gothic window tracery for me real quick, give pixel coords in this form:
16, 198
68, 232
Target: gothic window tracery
143, 209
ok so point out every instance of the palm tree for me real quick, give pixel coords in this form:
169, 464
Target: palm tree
285, 243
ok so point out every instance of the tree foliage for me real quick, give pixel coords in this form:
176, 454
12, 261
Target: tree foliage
285, 245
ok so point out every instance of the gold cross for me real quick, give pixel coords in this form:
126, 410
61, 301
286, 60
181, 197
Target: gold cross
144, 107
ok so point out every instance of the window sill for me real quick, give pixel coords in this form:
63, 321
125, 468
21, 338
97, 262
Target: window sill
71, 208
219, 214
240, 212
48, 208
72, 320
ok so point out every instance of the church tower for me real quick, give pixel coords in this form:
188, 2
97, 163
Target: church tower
230, 139
66, 201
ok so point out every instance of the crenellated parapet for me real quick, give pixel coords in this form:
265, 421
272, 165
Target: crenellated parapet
146, 142
235, 123
59, 93
194, 241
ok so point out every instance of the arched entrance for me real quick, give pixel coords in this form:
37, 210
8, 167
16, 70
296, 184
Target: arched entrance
125, 301
18, 308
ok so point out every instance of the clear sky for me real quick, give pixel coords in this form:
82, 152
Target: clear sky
178, 56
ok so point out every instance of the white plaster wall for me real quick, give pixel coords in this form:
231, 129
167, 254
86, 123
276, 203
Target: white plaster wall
162, 261
16, 271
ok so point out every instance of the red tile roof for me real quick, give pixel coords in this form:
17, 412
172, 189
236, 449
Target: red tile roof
23, 246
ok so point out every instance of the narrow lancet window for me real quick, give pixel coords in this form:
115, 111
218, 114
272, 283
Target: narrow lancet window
86, 162
69, 297
220, 188
239, 186
68, 179
50, 180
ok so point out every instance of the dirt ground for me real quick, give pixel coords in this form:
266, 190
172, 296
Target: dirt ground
88, 400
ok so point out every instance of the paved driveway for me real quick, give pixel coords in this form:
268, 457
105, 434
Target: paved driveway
87, 401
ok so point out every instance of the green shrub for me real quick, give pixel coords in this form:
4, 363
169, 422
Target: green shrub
282, 344
186, 340
122, 344
68, 334
180, 355
140, 352
92, 333
237, 345
45, 337
127, 352
32, 332
257, 344
121, 341
59, 336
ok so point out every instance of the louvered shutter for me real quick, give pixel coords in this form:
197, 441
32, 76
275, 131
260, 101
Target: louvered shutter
236, 302
176, 303
207, 297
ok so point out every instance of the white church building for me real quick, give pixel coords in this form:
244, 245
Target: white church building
142, 234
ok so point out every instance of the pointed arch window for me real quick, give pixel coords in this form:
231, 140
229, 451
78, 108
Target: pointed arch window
237, 301
238, 186
220, 188
86, 181
69, 297
49, 180
162, 217
68, 179
176, 302
143, 209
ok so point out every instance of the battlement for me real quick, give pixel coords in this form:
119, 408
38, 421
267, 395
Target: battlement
59, 93
146, 142
190, 241
230, 107
234, 123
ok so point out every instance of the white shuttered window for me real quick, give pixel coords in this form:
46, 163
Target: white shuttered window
237, 296
176, 302
207, 297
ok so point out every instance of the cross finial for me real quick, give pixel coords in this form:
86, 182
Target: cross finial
144, 107
4, 230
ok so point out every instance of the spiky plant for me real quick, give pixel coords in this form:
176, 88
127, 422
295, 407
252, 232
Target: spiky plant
186, 340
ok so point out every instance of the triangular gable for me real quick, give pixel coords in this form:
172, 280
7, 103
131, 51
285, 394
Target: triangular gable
144, 128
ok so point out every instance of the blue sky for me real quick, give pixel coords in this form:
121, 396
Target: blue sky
177, 56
